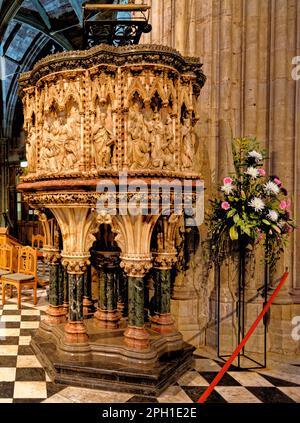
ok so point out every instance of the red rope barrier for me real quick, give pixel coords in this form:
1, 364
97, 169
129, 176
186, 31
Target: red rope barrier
226, 366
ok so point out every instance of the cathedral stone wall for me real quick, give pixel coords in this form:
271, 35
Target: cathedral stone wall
247, 48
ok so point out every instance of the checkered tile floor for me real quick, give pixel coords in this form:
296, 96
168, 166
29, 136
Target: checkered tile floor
22, 379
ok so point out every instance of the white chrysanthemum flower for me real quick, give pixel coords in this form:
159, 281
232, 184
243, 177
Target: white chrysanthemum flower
227, 188
253, 172
255, 155
272, 215
257, 204
271, 188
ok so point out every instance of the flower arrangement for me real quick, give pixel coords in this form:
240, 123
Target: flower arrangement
254, 207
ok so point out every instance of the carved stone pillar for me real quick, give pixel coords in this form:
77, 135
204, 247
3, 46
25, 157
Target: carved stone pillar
163, 321
88, 306
107, 314
55, 312
136, 267
75, 331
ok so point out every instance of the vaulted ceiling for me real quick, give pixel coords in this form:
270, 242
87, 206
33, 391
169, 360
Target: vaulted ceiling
29, 30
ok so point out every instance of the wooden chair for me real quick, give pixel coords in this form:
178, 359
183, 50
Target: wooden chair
6, 259
26, 276
38, 242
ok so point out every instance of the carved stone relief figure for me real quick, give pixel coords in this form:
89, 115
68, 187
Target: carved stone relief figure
52, 151
31, 148
187, 142
157, 141
72, 141
138, 140
168, 145
103, 141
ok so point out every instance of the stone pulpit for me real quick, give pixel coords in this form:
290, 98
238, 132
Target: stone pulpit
110, 150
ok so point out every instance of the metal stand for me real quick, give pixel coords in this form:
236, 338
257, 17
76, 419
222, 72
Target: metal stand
240, 313
114, 23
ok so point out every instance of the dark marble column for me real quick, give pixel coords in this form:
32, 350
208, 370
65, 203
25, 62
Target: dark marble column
55, 311
163, 321
107, 314
122, 284
88, 305
136, 316
75, 331
65, 289
136, 336
76, 297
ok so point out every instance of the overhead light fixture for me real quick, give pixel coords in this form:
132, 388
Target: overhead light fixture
24, 164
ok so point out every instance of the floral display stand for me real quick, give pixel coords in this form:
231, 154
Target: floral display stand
253, 210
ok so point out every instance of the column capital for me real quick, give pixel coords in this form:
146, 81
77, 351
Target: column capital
75, 263
51, 255
136, 265
164, 260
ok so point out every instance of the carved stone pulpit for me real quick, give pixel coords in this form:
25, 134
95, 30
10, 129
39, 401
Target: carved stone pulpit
108, 130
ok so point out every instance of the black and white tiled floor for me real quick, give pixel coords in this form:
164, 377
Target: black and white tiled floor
22, 379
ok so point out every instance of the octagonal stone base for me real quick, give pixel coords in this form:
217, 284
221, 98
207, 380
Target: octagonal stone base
106, 362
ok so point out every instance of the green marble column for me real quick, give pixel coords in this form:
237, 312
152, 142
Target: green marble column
107, 313
146, 302
65, 289
163, 291
54, 284
110, 289
122, 303
60, 285
55, 311
75, 330
162, 321
88, 306
136, 336
102, 298
75, 297
136, 301
156, 279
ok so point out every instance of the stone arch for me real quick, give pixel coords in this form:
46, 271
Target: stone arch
103, 93
156, 102
185, 99
158, 89
137, 87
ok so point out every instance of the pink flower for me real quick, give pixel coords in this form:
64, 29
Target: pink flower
225, 205
288, 204
283, 205
227, 181
260, 237
262, 172
277, 181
